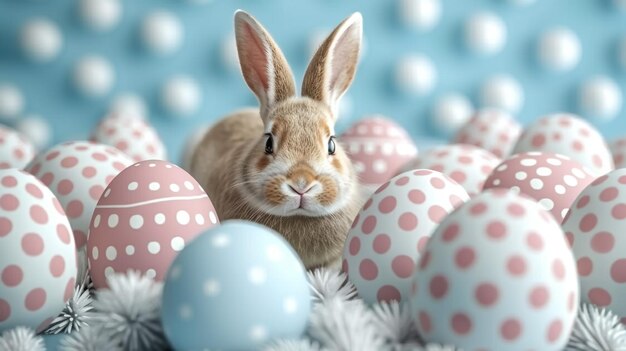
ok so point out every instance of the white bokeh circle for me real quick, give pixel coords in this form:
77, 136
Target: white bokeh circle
600, 97
422, 15
181, 96
485, 33
559, 49
11, 101
37, 129
129, 104
41, 40
416, 75
100, 15
162, 32
502, 91
94, 76
451, 111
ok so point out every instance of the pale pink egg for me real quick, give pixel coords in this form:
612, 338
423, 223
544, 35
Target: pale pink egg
146, 215
132, 135
497, 274
15, 150
553, 180
390, 232
378, 148
466, 164
618, 149
568, 135
37, 253
595, 227
491, 129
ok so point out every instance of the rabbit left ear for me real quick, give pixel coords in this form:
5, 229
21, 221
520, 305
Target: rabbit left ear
333, 67
263, 64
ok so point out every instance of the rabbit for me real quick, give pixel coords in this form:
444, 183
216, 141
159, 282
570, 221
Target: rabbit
281, 165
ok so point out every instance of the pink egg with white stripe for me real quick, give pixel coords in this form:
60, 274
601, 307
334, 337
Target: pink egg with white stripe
466, 164
37, 253
391, 230
595, 227
491, 129
378, 148
568, 135
144, 218
77, 172
132, 135
497, 274
552, 180
15, 150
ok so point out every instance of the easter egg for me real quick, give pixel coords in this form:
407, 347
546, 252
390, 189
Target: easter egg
391, 230
552, 180
568, 135
595, 227
466, 164
618, 149
37, 253
77, 173
491, 129
146, 215
15, 150
497, 274
378, 148
132, 135
238, 266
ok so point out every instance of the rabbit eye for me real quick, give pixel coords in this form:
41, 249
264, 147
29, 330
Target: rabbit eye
269, 144
331, 145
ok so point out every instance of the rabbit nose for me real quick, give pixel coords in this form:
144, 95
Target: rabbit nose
300, 189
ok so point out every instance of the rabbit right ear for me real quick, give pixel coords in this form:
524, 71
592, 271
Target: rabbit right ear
263, 64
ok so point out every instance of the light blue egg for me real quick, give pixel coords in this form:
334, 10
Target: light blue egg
235, 287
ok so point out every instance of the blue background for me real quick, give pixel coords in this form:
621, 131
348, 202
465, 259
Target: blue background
49, 92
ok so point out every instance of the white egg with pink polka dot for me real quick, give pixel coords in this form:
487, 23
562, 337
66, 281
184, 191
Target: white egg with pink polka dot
146, 215
77, 173
595, 227
390, 232
466, 164
132, 135
37, 253
618, 149
569, 135
15, 150
491, 129
497, 275
553, 180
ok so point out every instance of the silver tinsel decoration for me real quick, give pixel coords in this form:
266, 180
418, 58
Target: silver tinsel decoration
90, 338
78, 311
329, 283
130, 311
597, 330
21, 339
341, 325
393, 321
293, 345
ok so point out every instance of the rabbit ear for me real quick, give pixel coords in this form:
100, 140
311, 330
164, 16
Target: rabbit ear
332, 69
263, 65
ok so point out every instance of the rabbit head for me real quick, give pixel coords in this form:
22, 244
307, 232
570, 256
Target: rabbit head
297, 166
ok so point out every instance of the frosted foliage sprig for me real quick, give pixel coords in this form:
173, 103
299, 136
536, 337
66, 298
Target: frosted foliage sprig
77, 313
21, 339
327, 283
597, 329
90, 338
130, 311
393, 321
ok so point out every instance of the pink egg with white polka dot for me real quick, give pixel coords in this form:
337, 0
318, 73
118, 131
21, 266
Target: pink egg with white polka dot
595, 227
77, 173
144, 218
15, 150
37, 253
497, 274
491, 129
378, 148
467, 164
391, 230
132, 135
568, 135
553, 180
618, 150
